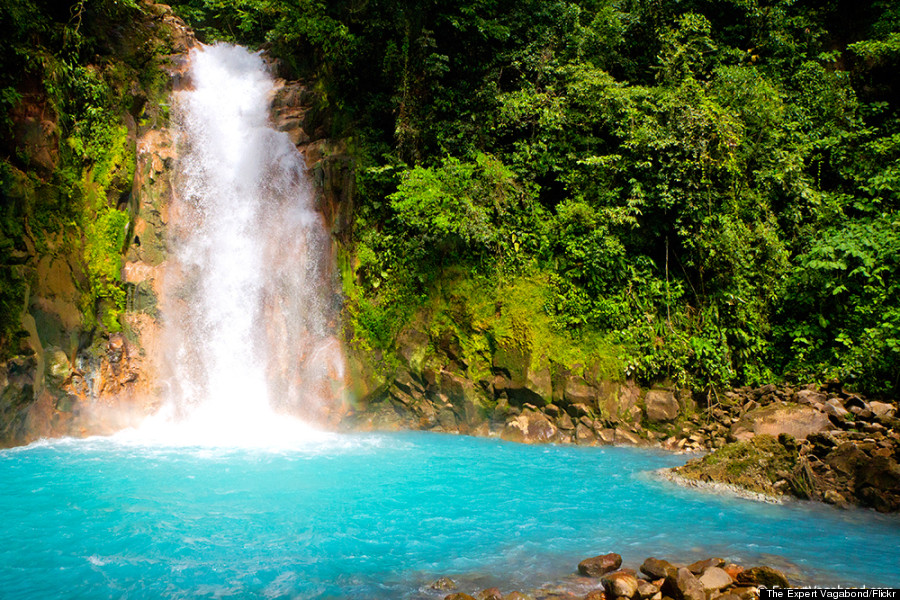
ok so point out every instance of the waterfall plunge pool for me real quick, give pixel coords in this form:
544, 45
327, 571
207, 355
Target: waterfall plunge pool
382, 516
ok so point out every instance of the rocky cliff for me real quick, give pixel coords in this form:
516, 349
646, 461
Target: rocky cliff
81, 312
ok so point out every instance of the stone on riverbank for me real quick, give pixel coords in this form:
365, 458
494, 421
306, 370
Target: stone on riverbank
682, 585
657, 568
600, 565
714, 579
766, 576
621, 584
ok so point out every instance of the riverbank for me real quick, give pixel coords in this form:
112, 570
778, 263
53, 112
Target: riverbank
820, 443
603, 577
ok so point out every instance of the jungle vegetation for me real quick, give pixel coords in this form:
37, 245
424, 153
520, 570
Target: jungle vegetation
710, 188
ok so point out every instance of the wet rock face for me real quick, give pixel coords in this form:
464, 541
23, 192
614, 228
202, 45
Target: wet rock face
81, 379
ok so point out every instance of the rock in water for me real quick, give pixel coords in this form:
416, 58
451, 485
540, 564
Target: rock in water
489, 594
600, 565
766, 576
444, 584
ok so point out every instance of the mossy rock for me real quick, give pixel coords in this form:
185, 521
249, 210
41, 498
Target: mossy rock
756, 464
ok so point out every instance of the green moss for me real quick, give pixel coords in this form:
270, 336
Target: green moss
755, 464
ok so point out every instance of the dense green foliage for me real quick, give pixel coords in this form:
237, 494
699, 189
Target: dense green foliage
81, 71
711, 185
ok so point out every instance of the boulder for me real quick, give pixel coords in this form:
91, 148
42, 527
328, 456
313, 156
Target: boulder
701, 565
578, 391
656, 568
834, 408
811, 397
766, 576
793, 419
518, 596
846, 458
600, 565
714, 579
584, 435
882, 409
646, 589
621, 584
623, 436
607, 435
529, 428
732, 570
682, 585
489, 594
443, 584
661, 406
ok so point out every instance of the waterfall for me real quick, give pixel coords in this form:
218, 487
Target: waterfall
250, 313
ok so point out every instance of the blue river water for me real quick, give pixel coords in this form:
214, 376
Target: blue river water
383, 515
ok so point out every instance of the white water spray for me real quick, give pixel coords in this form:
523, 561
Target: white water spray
249, 308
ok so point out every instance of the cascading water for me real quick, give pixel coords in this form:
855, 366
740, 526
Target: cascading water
249, 307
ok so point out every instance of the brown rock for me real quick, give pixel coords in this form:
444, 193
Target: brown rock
701, 565
811, 397
766, 576
775, 419
565, 422
443, 584
489, 594
458, 596
714, 579
623, 436
683, 586
882, 409
584, 435
518, 596
529, 428
732, 569
621, 584
660, 406
658, 568
596, 595
600, 565
647, 589
607, 435
577, 391
846, 458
